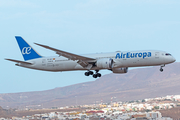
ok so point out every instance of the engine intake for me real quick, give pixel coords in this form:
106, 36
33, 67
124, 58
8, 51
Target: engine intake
120, 70
105, 63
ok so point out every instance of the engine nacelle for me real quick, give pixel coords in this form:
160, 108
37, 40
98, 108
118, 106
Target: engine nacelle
120, 70
105, 63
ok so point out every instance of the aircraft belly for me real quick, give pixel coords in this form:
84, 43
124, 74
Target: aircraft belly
66, 66
143, 62
44, 65
78, 67
135, 62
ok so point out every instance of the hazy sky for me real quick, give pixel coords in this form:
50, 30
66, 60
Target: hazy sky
81, 26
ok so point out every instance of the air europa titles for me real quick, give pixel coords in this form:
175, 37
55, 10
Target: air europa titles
133, 55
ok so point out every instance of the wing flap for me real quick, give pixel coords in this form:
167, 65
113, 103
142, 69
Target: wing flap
83, 63
18, 61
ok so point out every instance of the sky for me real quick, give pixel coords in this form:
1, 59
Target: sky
80, 27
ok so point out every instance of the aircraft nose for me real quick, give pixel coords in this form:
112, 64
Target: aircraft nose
173, 59
169, 58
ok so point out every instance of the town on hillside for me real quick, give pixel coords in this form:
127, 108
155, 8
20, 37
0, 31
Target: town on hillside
159, 108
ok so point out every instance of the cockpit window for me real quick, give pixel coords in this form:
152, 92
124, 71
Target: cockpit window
168, 54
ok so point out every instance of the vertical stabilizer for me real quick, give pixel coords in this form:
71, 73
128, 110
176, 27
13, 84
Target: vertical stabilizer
27, 51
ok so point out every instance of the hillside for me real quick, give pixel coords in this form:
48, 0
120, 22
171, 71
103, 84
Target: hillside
136, 84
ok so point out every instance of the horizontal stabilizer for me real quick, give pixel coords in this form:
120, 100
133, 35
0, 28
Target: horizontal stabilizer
28, 63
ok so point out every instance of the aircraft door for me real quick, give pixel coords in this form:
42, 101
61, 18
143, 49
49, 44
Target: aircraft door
43, 62
157, 58
157, 55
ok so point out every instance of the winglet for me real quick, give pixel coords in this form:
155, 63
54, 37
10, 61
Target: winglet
27, 51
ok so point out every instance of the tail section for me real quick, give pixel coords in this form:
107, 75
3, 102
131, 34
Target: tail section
27, 51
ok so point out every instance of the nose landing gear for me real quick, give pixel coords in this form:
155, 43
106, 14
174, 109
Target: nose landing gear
94, 75
161, 68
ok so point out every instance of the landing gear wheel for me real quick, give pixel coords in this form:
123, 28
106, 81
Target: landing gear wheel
91, 72
98, 75
95, 76
161, 69
86, 73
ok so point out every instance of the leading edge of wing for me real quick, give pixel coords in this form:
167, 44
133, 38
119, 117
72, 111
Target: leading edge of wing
18, 61
66, 54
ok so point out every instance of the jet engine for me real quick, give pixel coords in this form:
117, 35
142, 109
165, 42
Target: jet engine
120, 70
105, 63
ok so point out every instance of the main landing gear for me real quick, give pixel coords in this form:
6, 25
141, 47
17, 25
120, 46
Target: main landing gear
94, 75
88, 73
161, 68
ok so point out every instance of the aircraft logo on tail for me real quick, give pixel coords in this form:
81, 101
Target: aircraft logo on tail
26, 50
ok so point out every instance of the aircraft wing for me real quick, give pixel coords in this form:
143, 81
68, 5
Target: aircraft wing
18, 61
82, 60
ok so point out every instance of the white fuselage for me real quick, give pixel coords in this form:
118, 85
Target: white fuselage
120, 59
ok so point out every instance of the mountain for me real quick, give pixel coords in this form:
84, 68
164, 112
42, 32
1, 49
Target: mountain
136, 84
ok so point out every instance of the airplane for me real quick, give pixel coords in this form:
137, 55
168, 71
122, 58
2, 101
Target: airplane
118, 62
